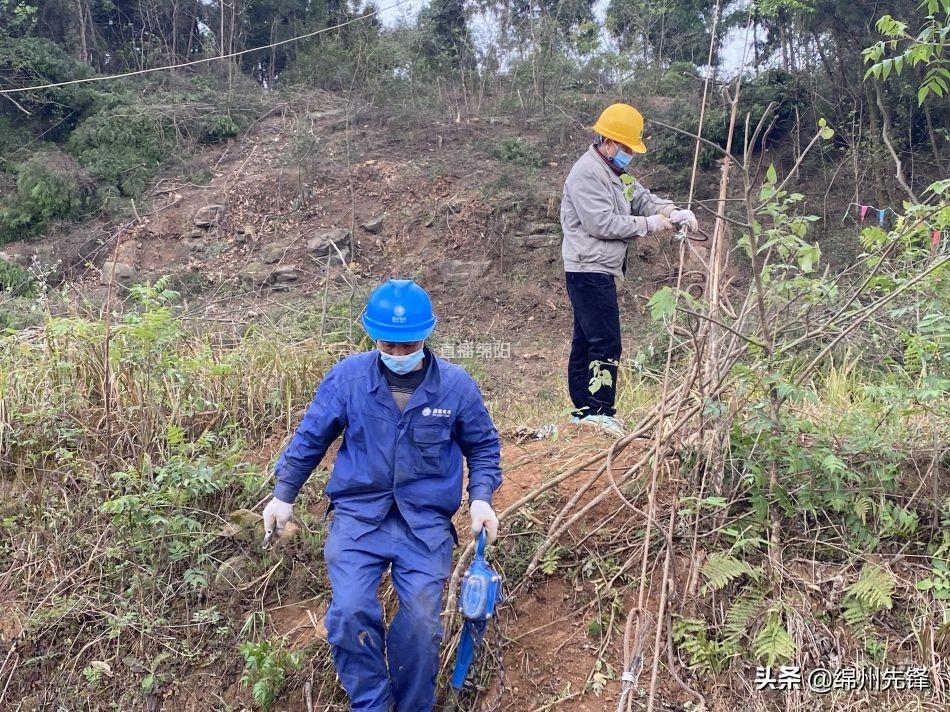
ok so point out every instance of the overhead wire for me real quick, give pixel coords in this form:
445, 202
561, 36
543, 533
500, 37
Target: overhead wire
203, 60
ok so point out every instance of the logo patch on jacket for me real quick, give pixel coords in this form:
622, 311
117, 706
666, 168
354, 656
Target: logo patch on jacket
437, 412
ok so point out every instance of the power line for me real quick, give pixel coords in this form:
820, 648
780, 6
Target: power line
203, 60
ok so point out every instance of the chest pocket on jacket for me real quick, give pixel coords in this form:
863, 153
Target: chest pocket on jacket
428, 443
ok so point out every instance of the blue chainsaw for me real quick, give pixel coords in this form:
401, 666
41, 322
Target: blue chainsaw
480, 593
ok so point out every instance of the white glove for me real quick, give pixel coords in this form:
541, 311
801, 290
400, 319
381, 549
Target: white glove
658, 223
276, 516
483, 516
685, 216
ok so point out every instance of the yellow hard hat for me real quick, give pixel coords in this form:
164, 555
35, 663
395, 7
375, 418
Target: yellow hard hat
623, 123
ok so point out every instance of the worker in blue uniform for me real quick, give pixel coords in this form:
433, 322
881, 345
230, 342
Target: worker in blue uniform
407, 418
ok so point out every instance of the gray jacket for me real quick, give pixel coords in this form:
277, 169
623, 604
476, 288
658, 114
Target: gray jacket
600, 214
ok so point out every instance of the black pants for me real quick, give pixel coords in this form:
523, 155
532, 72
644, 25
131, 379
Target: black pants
596, 343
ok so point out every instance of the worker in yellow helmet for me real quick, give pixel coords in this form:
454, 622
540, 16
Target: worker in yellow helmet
602, 209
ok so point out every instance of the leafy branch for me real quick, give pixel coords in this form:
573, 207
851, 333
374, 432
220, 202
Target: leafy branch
908, 50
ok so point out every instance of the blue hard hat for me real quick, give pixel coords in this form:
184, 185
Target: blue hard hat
399, 311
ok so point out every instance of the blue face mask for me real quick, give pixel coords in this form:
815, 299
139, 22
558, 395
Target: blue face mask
402, 364
622, 159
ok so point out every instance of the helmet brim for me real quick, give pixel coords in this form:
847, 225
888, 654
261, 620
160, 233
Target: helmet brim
638, 147
395, 334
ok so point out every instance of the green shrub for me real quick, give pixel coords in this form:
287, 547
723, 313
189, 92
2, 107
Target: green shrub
122, 147
15, 280
218, 128
202, 176
12, 138
678, 78
50, 186
514, 150
775, 85
19, 313
676, 150
265, 668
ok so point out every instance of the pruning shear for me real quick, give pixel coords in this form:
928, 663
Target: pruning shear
683, 234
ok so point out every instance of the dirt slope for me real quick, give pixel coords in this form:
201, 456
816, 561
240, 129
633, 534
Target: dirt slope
479, 233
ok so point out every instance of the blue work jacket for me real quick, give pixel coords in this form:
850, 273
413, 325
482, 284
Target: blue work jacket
411, 457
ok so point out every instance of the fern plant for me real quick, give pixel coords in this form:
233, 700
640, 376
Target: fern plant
773, 644
873, 587
706, 654
743, 613
939, 581
870, 594
861, 507
550, 561
722, 568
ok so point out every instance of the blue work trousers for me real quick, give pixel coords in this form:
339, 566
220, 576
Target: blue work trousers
360, 643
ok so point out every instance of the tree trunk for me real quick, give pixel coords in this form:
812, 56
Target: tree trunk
221, 28
83, 46
755, 46
231, 43
175, 31
192, 16
933, 139
273, 55
886, 135
856, 126
881, 196
783, 40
